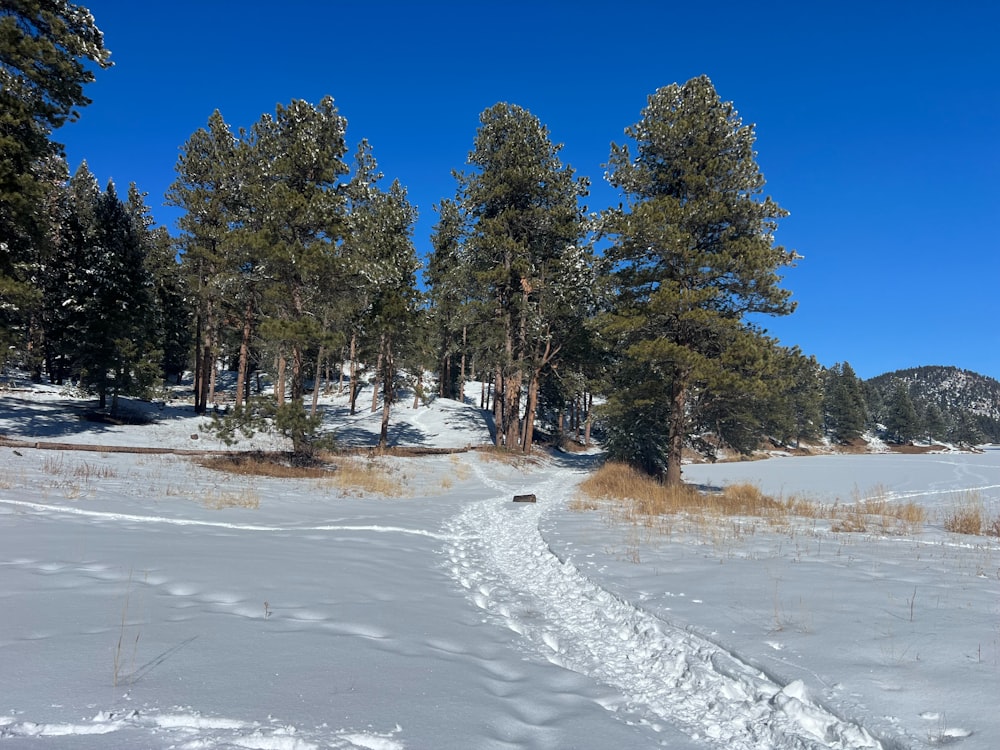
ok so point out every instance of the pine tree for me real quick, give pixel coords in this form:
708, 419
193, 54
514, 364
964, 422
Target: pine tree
693, 254
934, 422
846, 412
207, 189
524, 225
299, 156
111, 307
902, 422
450, 286
44, 48
265, 221
173, 314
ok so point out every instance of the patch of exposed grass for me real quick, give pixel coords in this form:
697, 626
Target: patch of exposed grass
876, 511
462, 471
502, 455
87, 471
354, 476
968, 515
632, 497
262, 465
348, 474
244, 498
642, 496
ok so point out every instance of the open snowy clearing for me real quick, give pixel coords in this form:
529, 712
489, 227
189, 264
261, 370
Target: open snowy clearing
149, 602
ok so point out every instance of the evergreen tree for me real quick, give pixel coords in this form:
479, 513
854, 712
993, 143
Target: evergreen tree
450, 286
799, 397
395, 301
111, 306
523, 244
299, 156
207, 188
44, 48
902, 422
170, 290
934, 422
693, 254
270, 242
966, 431
844, 404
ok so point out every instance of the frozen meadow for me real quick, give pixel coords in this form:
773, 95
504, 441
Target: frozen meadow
148, 602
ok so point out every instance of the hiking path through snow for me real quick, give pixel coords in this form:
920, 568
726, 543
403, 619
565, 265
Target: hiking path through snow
667, 676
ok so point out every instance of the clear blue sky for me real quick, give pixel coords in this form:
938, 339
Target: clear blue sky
878, 125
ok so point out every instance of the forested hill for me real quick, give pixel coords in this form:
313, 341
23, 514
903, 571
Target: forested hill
960, 395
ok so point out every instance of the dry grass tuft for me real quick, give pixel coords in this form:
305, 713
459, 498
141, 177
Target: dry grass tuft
993, 527
462, 470
262, 465
355, 476
968, 515
637, 498
877, 512
87, 471
350, 475
219, 500
504, 456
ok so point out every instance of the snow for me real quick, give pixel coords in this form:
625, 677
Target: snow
136, 613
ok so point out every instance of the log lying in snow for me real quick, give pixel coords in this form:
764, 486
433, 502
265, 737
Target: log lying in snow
524, 498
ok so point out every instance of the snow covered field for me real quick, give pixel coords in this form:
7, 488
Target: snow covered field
141, 606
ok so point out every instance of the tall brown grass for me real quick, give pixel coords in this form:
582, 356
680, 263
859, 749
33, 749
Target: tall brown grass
630, 496
642, 496
967, 516
357, 476
348, 474
875, 511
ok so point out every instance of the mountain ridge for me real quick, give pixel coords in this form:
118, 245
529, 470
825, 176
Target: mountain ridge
959, 394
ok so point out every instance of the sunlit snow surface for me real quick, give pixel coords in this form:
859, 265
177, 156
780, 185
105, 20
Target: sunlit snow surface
453, 618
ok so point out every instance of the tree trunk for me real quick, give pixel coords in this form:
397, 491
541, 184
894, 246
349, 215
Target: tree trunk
589, 422
279, 389
211, 380
354, 373
512, 410
315, 396
199, 406
207, 370
529, 413
444, 387
461, 371
676, 431
340, 378
243, 369
378, 368
388, 376
498, 408
298, 374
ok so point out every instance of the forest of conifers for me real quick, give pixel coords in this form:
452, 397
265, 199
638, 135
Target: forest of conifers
296, 258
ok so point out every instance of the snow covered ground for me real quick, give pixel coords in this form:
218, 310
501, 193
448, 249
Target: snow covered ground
141, 606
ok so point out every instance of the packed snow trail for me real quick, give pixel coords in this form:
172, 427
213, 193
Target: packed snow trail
192, 730
671, 676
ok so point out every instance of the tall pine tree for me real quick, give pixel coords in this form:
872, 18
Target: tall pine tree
45, 46
693, 254
523, 244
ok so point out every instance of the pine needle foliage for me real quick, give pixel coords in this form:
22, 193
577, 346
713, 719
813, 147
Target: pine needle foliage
693, 254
